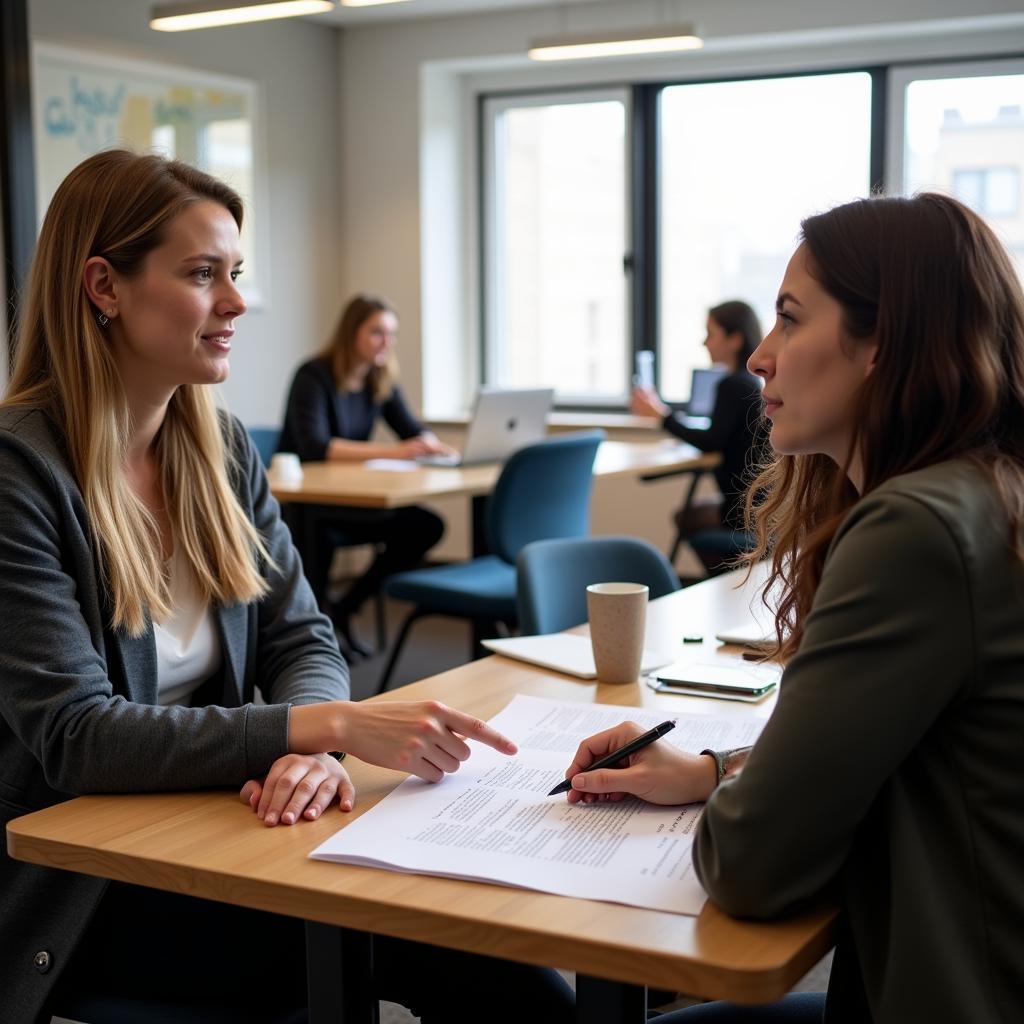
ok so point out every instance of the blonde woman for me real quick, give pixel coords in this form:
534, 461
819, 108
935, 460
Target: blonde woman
148, 589
334, 404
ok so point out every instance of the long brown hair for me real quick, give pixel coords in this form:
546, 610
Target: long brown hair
341, 349
927, 281
118, 205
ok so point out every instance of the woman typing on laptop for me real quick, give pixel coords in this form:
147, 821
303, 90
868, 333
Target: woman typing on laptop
890, 777
335, 402
735, 430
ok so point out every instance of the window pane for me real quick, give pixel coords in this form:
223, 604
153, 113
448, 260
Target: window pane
558, 299
965, 136
742, 163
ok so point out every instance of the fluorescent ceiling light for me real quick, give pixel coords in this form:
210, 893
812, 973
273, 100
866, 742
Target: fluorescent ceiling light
181, 17
663, 39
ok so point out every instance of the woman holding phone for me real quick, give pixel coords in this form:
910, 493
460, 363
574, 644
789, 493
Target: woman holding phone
735, 430
148, 589
890, 777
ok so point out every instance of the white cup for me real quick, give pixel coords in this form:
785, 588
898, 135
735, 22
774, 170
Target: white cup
286, 467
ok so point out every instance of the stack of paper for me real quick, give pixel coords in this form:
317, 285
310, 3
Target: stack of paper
492, 820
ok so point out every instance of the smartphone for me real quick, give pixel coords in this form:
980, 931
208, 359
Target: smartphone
721, 677
643, 376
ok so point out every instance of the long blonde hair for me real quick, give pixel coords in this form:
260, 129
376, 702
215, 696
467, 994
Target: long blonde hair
118, 205
341, 349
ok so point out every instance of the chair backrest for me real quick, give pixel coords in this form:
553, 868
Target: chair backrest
265, 440
553, 576
543, 492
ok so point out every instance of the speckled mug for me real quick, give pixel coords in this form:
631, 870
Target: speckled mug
617, 613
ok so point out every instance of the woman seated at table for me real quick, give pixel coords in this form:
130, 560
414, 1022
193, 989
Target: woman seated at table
890, 777
333, 407
147, 589
736, 431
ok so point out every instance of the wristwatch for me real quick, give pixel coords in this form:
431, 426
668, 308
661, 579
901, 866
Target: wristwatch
727, 761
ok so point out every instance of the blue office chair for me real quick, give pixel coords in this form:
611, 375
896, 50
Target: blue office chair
265, 441
554, 576
543, 491
718, 548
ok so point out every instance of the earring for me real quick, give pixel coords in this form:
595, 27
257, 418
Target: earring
104, 318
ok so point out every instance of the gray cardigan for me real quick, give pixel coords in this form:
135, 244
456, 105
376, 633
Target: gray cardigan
891, 773
78, 710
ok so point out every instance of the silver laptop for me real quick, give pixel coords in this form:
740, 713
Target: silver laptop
703, 390
502, 422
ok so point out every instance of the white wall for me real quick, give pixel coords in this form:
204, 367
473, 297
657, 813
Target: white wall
295, 64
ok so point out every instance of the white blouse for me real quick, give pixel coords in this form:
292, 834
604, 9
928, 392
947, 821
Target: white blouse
188, 649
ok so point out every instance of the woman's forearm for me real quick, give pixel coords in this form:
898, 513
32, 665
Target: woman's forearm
340, 449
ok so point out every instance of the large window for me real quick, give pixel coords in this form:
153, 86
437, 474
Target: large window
741, 164
960, 129
614, 219
557, 300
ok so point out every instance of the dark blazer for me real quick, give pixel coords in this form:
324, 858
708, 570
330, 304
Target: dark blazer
317, 411
78, 710
891, 772
737, 431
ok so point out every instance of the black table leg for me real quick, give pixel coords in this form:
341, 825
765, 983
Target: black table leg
478, 526
599, 1001
339, 973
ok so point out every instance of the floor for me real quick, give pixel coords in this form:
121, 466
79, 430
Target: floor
436, 645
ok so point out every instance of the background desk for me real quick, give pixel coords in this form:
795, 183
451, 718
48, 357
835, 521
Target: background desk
352, 484
209, 845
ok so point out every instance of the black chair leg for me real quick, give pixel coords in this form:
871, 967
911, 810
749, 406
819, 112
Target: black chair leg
380, 608
403, 635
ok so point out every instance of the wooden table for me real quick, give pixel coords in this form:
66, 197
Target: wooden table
351, 483
354, 485
209, 845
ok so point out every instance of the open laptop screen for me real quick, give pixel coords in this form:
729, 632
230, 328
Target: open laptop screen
703, 389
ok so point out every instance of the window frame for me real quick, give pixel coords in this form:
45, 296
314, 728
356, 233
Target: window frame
887, 120
902, 73
491, 107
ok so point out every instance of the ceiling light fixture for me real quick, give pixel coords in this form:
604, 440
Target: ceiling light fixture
182, 17
663, 39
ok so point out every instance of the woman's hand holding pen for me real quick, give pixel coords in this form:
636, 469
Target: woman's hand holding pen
425, 738
299, 785
659, 774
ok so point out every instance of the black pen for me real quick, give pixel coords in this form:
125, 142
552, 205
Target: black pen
610, 760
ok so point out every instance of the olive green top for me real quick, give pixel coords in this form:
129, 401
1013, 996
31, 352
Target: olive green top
891, 774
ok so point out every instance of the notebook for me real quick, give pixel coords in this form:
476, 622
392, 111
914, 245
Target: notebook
562, 652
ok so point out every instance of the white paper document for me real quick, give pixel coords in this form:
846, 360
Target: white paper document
391, 465
492, 820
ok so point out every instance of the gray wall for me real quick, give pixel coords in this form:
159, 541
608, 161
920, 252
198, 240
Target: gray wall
296, 65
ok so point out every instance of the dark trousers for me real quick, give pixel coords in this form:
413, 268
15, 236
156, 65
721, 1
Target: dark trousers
211, 963
796, 1008
402, 537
